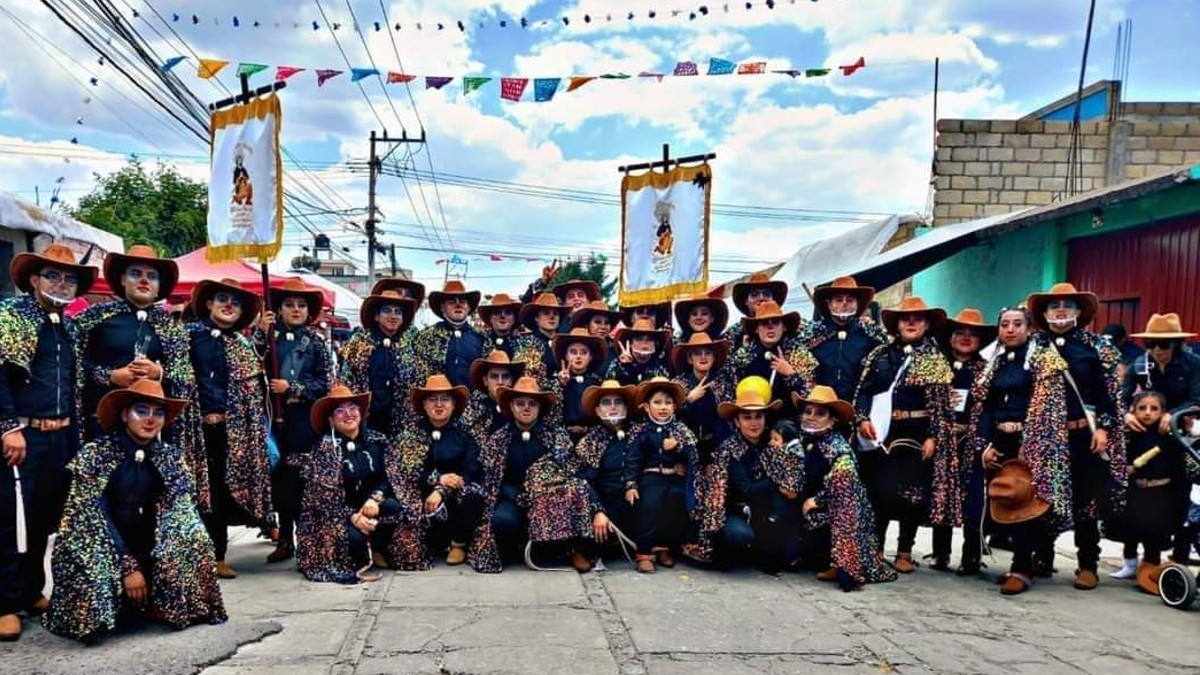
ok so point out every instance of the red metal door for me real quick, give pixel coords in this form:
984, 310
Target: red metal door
1136, 272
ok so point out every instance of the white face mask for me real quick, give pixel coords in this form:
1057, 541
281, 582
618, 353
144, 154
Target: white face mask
814, 429
644, 352
844, 315
615, 419
1062, 322
61, 302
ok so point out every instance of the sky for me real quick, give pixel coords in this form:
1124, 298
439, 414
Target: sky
860, 146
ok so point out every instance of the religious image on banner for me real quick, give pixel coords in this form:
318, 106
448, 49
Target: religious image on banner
245, 196
664, 234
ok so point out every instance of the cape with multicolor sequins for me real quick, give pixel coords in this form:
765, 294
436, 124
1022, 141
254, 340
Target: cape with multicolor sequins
20, 320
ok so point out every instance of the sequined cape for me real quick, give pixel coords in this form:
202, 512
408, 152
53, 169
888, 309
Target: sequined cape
178, 380
20, 320
561, 502
930, 370
247, 469
356, 364
1118, 463
481, 416
784, 468
794, 352
854, 546
406, 470
1044, 443
428, 349
484, 554
322, 537
88, 583
817, 332
531, 351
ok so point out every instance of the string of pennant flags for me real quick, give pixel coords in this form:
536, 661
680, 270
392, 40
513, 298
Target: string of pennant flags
382, 23
513, 88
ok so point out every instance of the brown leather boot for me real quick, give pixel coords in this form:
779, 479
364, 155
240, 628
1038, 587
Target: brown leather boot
224, 571
828, 575
1015, 584
10, 627
904, 563
457, 555
379, 560
580, 562
645, 563
282, 552
664, 557
1086, 580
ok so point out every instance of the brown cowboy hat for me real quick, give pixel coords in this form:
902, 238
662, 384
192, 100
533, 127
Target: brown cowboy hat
207, 289
453, 289
914, 304
1164, 327
373, 302
115, 265
825, 396
338, 394
719, 309
529, 311
593, 394
561, 341
695, 341
590, 288
972, 319
1088, 304
659, 383
842, 286
1011, 497
645, 327
524, 386
741, 290
497, 359
55, 255
108, 410
438, 384
748, 399
582, 316
498, 301
415, 289
770, 310
662, 313
295, 287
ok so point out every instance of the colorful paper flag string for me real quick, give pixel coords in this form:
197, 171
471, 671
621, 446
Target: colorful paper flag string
511, 88
326, 74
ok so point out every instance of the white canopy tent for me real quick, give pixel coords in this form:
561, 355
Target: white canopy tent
17, 214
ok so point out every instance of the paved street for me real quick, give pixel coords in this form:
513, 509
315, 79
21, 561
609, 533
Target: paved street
681, 621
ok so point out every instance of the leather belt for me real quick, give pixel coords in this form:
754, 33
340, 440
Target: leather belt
1075, 425
909, 414
45, 423
1146, 483
677, 470
1010, 427
213, 419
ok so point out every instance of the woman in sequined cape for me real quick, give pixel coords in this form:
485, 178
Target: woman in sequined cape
843, 503
794, 351
931, 371
20, 320
1044, 445
247, 469
87, 575
484, 554
322, 531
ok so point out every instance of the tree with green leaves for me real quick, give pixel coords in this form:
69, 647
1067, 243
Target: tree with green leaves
161, 208
591, 268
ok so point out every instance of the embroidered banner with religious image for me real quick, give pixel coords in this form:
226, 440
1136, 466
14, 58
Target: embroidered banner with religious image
245, 190
664, 234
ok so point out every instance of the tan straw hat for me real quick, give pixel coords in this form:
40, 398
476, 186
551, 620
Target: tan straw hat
825, 396
1164, 327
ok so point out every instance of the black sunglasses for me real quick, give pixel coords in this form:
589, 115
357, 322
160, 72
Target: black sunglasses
1159, 344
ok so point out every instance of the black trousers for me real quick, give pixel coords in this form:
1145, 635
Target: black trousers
379, 540
462, 516
900, 483
1089, 482
295, 434
224, 510
661, 512
769, 541
509, 524
44, 483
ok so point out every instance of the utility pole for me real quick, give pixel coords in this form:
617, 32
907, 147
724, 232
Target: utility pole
375, 164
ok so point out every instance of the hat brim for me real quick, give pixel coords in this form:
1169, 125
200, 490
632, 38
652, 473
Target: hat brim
480, 367
323, 409
562, 341
591, 288
730, 409
646, 389
592, 395
779, 292
679, 353
485, 311
581, 317
1164, 336
719, 309
418, 395
935, 315
1088, 303
108, 410
505, 395
436, 299
115, 265
314, 298
1005, 515
840, 409
208, 288
791, 321
26, 264
371, 305
662, 313
660, 335
528, 314
414, 288
821, 296
987, 333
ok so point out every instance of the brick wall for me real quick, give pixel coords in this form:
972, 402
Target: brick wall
991, 167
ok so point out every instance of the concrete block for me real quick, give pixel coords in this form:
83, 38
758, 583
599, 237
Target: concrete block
997, 209
1181, 108
1022, 183
1012, 197
1135, 171
1172, 157
976, 169
951, 139
1056, 155
1030, 126
1003, 126
941, 182
949, 125
1027, 154
1063, 141
1137, 143
1094, 171
963, 211
948, 197
1015, 169
943, 153
1040, 169
963, 182
1189, 142
949, 168
976, 125
1086, 156
1039, 197
460, 587
990, 183
1147, 128
965, 154
1052, 184
1097, 142
941, 212
1000, 154
1042, 141
976, 197
1191, 157
988, 140
1058, 128
1161, 143
1174, 129
1015, 141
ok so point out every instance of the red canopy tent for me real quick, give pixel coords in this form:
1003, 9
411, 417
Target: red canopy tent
194, 268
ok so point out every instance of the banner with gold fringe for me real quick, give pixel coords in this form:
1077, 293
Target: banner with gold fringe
245, 189
664, 234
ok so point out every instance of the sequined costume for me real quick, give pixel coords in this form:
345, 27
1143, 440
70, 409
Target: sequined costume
561, 502
840, 351
482, 416
388, 376
87, 572
447, 349
20, 320
752, 359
